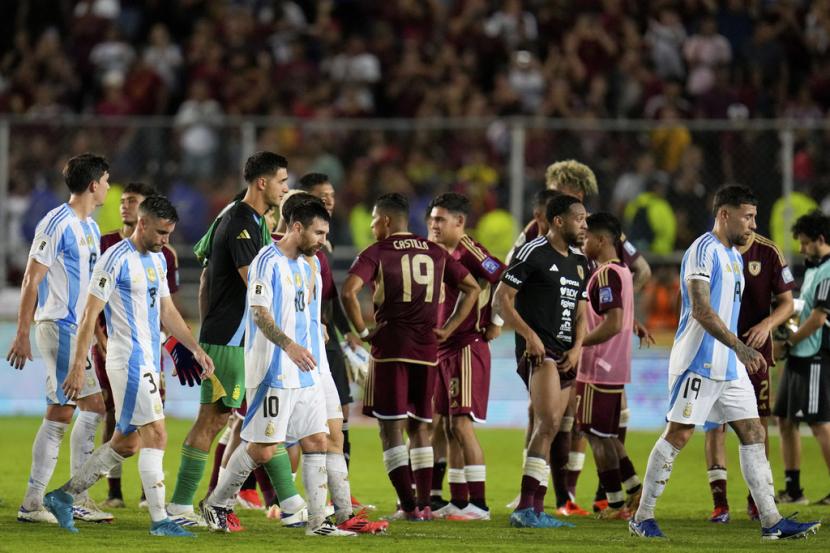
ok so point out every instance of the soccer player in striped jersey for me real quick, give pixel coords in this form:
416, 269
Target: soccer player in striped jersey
281, 375
767, 277
462, 388
709, 368
129, 283
63, 253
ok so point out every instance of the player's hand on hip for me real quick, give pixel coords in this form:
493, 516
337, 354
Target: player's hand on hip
74, 381
301, 357
442, 334
535, 349
372, 333
757, 335
205, 362
570, 361
492, 332
20, 351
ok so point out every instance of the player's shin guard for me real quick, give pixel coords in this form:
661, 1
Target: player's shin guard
476, 476
758, 477
534, 474
98, 464
459, 492
559, 450
82, 439
151, 470
239, 467
658, 471
576, 460
279, 472
422, 459
717, 484
315, 479
396, 461
338, 481
191, 469
45, 450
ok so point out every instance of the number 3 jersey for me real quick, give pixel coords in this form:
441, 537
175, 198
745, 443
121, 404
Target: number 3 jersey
406, 273
694, 349
284, 286
132, 284
68, 246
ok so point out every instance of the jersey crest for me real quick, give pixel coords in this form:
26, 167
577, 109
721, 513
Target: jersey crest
754, 268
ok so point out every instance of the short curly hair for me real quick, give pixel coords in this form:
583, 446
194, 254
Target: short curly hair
571, 175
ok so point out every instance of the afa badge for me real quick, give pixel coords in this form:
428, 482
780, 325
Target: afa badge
151, 274
298, 280
157, 408
754, 268
270, 429
687, 411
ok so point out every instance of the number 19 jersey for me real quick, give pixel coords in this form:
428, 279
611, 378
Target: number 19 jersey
694, 349
406, 273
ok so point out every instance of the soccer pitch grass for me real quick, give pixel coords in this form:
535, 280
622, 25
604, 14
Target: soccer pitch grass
681, 512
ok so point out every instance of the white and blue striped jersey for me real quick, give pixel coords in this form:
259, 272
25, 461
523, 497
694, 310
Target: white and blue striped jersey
283, 286
695, 349
132, 284
316, 307
69, 247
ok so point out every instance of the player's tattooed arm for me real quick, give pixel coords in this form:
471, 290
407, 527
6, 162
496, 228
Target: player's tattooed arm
269, 327
703, 313
297, 353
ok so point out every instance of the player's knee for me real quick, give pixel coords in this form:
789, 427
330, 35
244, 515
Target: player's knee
93, 404
316, 443
461, 426
261, 453
60, 413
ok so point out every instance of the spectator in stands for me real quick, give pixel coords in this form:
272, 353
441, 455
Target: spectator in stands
704, 51
196, 123
527, 81
164, 56
670, 139
512, 25
633, 183
688, 197
650, 219
666, 35
112, 54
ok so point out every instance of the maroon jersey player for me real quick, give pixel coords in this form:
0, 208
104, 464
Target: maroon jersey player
406, 273
132, 196
767, 278
463, 385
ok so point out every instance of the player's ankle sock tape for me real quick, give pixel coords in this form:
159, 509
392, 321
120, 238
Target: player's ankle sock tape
456, 476
191, 469
421, 458
715, 474
537, 468
567, 424
576, 460
475, 473
151, 471
395, 457
625, 416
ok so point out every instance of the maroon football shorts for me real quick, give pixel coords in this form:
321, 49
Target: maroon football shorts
761, 382
462, 385
525, 368
100, 364
598, 408
397, 390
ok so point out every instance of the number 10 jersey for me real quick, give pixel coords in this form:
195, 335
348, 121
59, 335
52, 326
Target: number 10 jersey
406, 273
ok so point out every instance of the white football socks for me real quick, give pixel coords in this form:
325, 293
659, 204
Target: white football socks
758, 477
82, 441
45, 451
658, 470
315, 479
338, 481
151, 470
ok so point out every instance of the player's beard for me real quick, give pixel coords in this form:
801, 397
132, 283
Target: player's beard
574, 240
740, 239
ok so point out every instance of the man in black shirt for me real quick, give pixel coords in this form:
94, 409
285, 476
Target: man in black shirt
238, 236
542, 295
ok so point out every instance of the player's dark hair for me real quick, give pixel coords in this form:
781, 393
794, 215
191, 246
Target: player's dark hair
310, 180
605, 222
542, 197
159, 207
734, 196
82, 170
141, 188
393, 204
559, 206
305, 212
452, 202
298, 198
813, 225
263, 164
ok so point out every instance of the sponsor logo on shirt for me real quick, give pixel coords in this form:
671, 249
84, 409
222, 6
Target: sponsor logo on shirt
787, 275
243, 235
605, 295
554, 268
512, 279
490, 265
564, 281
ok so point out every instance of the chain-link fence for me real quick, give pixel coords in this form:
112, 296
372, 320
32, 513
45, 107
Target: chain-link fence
658, 177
